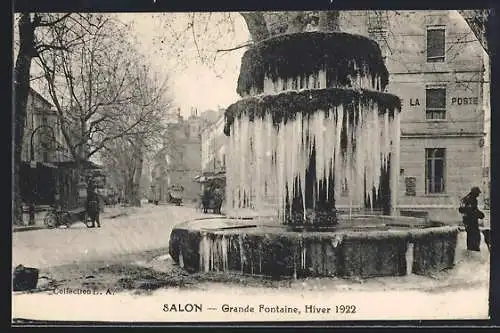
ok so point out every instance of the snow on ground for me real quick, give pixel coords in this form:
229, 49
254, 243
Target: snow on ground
141, 229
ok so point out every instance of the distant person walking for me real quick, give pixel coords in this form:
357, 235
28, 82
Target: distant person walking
92, 206
470, 216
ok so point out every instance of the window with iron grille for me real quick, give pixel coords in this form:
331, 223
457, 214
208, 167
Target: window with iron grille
435, 170
435, 103
435, 44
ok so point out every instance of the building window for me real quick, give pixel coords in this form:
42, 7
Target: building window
435, 167
435, 103
435, 44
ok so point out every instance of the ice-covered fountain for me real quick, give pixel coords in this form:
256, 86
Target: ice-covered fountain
313, 115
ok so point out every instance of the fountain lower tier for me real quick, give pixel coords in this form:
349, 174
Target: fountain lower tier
363, 247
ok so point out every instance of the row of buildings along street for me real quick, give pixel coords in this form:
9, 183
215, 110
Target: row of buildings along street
439, 69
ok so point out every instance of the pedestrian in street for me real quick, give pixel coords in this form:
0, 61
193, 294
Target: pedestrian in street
92, 206
470, 216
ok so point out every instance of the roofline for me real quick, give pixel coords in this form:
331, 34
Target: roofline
43, 98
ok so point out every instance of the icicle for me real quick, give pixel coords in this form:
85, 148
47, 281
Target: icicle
303, 257
348, 162
387, 139
281, 167
338, 154
395, 159
259, 156
205, 251
224, 248
242, 252
304, 161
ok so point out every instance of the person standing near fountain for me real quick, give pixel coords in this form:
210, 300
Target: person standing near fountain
92, 206
471, 215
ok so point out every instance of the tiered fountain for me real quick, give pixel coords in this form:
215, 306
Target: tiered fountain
313, 114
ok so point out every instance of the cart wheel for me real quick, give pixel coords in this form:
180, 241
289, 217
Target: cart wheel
50, 220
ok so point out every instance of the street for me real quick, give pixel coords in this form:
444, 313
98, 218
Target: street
144, 228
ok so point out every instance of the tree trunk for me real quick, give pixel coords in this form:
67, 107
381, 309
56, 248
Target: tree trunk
256, 25
21, 92
328, 21
136, 195
129, 189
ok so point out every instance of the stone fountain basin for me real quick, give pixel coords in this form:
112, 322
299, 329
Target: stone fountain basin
361, 246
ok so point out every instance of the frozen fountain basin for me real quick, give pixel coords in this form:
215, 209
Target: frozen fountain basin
360, 246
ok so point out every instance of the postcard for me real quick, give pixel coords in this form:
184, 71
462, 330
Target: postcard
201, 167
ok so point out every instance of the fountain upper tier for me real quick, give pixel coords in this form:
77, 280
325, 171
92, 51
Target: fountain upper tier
312, 60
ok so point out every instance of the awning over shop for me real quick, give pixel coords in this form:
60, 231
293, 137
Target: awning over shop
72, 164
35, 164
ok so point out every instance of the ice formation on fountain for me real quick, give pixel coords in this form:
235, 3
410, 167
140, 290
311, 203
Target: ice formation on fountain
313, 111
264, 160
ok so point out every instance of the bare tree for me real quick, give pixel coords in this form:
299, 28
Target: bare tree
480, 22
93, 84
29, 48
126, 154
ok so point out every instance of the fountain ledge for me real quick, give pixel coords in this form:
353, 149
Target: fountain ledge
261, 247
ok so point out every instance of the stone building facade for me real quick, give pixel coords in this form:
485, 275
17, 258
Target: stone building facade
214, 147
440, 71
179, 161
45, 176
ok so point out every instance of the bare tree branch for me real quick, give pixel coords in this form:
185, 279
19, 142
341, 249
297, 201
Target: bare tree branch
235, 48
40, 23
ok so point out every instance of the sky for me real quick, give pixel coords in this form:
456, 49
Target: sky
193, 83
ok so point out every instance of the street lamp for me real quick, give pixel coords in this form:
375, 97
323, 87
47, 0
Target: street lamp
31, 206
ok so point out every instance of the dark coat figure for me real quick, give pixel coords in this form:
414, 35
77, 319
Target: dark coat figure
205, 199
218, 198
92, 207
471, 215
